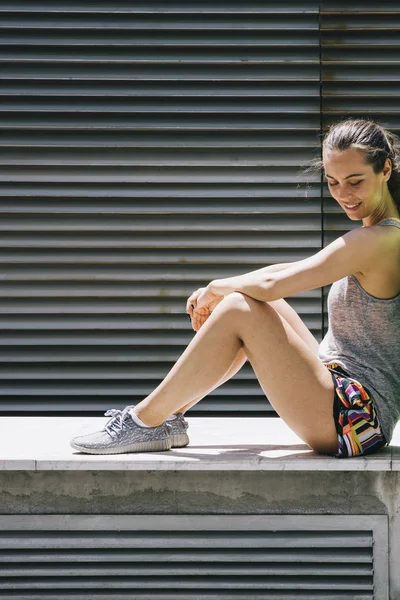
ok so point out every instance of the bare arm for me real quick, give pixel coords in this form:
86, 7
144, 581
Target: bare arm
248, 283
273, 268
350, 253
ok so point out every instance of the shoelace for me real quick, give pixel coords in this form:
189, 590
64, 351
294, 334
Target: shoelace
115, 423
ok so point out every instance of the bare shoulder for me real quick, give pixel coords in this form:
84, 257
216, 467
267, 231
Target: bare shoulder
386, 240
358, 251
381, 277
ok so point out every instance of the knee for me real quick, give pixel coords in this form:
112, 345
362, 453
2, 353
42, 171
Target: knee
237, 302
241, 303
244, 310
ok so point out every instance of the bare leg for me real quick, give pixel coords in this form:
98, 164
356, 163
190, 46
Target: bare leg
291, 316
296, 382
237, 364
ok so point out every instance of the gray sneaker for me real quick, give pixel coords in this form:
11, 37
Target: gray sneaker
178, 428
121, 434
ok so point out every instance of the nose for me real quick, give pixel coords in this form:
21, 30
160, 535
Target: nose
344, 195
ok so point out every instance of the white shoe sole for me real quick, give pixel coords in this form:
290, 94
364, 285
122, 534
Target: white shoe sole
179, 440
154, 446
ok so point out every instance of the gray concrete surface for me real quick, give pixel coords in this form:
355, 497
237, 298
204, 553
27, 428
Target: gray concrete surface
217, 443
232, 466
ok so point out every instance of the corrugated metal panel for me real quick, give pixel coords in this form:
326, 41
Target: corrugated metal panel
193, 557
360, 51
146, 148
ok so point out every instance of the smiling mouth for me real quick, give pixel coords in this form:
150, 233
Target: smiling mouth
352, 205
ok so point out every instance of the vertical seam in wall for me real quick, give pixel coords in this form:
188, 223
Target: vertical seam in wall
321, 178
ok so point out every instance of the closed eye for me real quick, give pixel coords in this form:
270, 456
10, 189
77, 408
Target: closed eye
352, 184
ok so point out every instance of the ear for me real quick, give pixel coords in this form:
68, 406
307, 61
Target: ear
387, 169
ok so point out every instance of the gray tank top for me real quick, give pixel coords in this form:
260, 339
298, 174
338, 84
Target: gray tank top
364, 339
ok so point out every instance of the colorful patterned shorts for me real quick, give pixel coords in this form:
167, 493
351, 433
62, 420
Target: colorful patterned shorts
357, 424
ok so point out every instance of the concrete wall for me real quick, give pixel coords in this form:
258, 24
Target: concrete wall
174, 492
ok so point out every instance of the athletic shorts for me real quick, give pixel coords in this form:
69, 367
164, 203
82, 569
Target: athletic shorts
357, 424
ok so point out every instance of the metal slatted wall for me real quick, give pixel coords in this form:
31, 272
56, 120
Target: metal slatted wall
360, 55
146, 148
168, 557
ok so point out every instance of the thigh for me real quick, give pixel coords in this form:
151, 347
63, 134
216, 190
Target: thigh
295, 321
295, 381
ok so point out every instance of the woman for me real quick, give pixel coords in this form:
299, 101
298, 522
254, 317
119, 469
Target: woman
341, 397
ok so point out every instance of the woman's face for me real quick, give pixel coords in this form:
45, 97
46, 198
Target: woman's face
354, 185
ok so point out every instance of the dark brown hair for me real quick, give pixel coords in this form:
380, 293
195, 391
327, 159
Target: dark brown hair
373, 140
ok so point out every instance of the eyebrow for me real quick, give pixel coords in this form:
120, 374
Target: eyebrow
348, 176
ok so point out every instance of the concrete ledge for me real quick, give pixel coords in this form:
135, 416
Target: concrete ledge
217, 444
233, 466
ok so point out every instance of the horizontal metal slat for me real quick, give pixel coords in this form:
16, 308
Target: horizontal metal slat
146, 157
128, 372
152, 175
161, 20
156, 53
147, 72
211, 583
306, 302
344, 7
157, 139
119, 37
392, 121
76, 392
153, 138
160, 6
175, 121
170, 571
149, 104
384, 72
184, 87
155, 206
198, 240
137, 274
87, 322
356, 38
159, 222
189, 190
174, 539
353, 55
244, 555
93, 354
165, 257
114, 389
361, 19
199, 595
361, 89
87, 402
363, 105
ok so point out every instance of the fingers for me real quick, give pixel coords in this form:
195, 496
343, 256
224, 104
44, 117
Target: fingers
190, 313
192, 301
199, 319
198, 314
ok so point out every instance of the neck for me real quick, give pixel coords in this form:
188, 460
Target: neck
387, 209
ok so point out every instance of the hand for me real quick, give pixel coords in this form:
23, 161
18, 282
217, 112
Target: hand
200, 306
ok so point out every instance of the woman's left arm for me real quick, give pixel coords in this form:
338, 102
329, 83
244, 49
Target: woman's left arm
353, 252
253, 284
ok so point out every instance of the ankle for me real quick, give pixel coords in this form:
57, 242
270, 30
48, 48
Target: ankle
144, 420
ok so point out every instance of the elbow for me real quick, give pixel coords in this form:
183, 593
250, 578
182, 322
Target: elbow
263, 289
269, 290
